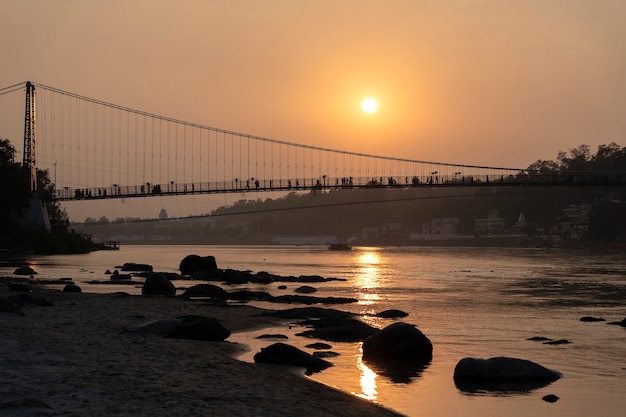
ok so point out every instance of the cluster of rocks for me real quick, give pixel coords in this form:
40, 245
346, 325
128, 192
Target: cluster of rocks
399, 351
398, 343
204, 268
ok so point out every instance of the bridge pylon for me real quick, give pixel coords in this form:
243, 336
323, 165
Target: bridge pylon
37, 213
28, 164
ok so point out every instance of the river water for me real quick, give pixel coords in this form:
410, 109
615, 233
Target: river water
474, 302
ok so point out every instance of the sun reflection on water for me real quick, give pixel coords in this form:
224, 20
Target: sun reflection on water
369, 389
368, 276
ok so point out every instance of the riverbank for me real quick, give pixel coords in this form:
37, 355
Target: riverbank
81, 356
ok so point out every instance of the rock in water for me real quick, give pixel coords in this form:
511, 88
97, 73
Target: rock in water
550, 398
205, 291
392, 314
195, 263
25, 270
284, 354
305, 289
502, 369
398, 341
620, 323
135, 267
338, 329
591, 319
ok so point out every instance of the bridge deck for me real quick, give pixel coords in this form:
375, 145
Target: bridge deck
177, 189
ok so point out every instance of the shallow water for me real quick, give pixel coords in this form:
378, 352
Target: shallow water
469, 301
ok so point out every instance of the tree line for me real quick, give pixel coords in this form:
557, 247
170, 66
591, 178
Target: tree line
609, 157
15, 201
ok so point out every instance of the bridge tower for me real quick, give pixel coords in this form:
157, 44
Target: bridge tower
37, 213
28, 165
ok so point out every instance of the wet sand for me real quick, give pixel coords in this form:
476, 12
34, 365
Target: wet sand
81, 356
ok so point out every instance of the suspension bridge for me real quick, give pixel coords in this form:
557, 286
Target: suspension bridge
97, 150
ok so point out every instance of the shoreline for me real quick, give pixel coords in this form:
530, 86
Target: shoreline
81, 356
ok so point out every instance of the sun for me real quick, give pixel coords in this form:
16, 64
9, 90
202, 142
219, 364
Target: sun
369, 105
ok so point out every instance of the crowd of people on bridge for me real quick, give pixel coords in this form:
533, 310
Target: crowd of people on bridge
345, 182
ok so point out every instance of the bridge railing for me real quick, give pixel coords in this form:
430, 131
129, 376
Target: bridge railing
254, 184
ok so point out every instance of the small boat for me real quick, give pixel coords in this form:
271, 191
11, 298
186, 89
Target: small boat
339, 246
109, 245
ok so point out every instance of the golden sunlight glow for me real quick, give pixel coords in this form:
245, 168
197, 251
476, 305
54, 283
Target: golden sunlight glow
369, 105
368, 277
367, 381
369, 258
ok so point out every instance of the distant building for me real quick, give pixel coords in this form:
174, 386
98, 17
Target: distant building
521, 225
392, 229
492, 225
442, 226
447, 228
574, 222
370, 232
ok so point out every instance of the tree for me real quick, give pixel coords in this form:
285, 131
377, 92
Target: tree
46, 189
577, 161
543, 166
609, 157
7, 153
14, 194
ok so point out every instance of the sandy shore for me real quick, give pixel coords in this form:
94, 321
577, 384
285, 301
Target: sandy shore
81, 357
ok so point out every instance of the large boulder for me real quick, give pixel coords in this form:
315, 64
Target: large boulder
399, 352
157, 284
502, 369
25, 270
398, 341
391, 314
501, 374
135, 267
284, 354
195, 263
234, 276
338, 329
199, 328
205, 291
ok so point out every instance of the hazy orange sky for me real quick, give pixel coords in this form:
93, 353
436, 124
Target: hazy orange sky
499, 83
